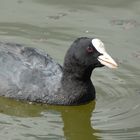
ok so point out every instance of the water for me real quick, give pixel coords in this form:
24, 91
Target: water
52, 25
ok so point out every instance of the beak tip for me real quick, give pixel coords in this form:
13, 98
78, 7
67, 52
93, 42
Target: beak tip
115, 66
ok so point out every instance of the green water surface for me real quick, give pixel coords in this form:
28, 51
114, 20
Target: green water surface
52, 25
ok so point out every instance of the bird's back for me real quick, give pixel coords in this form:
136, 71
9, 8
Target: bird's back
27, 73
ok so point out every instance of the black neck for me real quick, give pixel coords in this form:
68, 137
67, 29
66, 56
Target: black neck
77, 72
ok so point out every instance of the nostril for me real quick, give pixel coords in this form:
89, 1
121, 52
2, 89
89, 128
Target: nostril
106, 58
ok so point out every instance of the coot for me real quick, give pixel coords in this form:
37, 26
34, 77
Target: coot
32, 75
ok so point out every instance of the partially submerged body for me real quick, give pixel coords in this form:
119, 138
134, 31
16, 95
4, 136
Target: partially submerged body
32, 75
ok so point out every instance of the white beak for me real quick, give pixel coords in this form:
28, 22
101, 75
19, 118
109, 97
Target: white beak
107, 60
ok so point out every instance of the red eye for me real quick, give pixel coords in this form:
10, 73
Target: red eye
90, 49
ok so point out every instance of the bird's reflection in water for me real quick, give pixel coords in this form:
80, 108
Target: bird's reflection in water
77, 123
76, 119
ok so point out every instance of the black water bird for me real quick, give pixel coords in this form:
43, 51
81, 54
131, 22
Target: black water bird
32, 75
